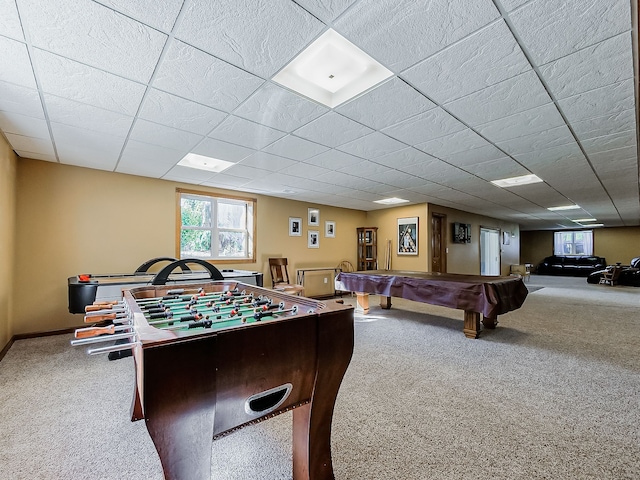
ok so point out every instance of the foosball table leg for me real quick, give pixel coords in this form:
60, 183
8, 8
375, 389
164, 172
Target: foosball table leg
312, 422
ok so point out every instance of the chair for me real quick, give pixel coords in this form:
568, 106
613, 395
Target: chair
345, 266
610, 275
280, 277
523, 271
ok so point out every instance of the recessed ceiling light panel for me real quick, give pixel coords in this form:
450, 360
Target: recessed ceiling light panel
517, 181
582, 220
331, 71
193, 160
390, 201
564, 207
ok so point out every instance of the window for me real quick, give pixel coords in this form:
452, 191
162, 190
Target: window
214, 227
578, 242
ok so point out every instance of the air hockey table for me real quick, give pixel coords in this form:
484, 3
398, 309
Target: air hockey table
86, 289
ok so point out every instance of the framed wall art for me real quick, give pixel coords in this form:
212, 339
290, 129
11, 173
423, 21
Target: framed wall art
461, 233
408, 236
313, 219
330, 229
313, 239
295, 227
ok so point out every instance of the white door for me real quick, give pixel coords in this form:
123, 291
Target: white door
489, 252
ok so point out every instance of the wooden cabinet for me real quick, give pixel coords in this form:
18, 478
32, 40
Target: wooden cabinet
367, 248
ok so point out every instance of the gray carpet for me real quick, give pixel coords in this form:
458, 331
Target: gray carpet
552, 393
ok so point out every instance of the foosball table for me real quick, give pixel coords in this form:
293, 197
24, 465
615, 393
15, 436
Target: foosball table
212, 358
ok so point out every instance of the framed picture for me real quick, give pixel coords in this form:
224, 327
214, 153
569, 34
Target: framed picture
314, 217
295, 227
461, 233
408, 236
330, 229
314, 239
506, 238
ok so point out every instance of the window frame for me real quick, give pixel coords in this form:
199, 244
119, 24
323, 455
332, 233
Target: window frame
251, 248
573, 243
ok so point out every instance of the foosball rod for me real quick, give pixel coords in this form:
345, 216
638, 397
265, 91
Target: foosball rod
183, 318
155, 306
102, 338
216, 308
95, 331
117, 304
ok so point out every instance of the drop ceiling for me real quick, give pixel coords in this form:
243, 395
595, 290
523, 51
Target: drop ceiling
481, 90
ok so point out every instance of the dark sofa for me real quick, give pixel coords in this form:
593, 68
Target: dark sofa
629, 274
571, 265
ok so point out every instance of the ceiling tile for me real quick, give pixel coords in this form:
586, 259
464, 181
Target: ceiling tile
295, 147
551, 29
23, 100
304, 170
424, 127
484, 58
190, 73
628, 153
225, 181
325, 11
496, 169
177, 112
267, 161
366, 169
77, 146
89, 33
333, 160
602, 101
456, 142
609, 142
23, 125
37, 156
400, 33
476, 155
512, 4
524, 123
139, 158
575, 74
154, 133
260, 39
605, 125
222, 150
159, 15
243, 171
245, 133
9, 20
389, 103
84, 84
536, 141
514, 95
16, 63
81, 115
332, 129
30, 144
406, 157
373, 145
278, 108
187, 175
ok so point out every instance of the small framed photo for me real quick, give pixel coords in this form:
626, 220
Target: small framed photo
408, 236
314, 239
506, 238
330, 229
314, 217
295, 227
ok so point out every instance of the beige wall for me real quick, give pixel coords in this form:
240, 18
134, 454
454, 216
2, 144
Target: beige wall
465, 257
74, 220
387, 222
616, 244
8, 163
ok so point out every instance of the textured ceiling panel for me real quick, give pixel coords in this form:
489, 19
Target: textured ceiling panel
133, 85
260, 39
485, 58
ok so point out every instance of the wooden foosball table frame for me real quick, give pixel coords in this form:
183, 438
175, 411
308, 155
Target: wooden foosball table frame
194, 387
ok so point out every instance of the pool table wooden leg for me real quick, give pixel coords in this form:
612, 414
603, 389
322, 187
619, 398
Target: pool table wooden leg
362, 303
471, 324
385, 302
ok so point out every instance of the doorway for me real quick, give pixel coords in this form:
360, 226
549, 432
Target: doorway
489, 251
438, 243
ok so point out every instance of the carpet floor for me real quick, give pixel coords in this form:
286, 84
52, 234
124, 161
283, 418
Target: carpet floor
552, 393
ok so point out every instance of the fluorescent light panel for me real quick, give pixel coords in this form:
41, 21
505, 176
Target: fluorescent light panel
564, 207
390, 201
331, 71
517, 181
200, 162
582, 220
